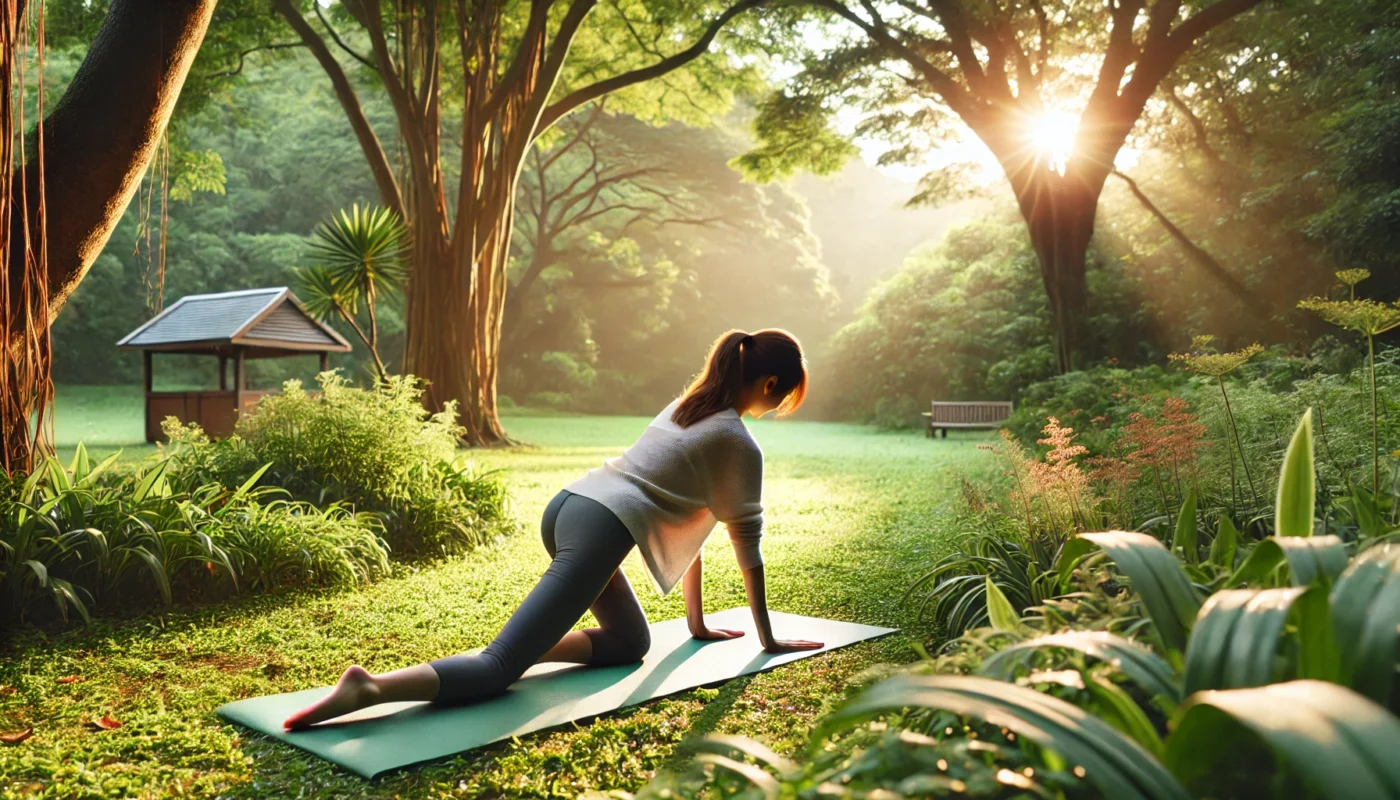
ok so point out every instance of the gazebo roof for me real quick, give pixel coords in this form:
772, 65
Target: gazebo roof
265, 320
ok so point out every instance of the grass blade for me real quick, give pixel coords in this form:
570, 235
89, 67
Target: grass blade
1186, 539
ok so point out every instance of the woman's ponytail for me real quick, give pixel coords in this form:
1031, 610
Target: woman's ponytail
735, 359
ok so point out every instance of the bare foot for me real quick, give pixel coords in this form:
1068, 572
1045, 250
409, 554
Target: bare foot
355, 690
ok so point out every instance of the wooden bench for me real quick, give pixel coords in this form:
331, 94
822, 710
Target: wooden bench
984, 414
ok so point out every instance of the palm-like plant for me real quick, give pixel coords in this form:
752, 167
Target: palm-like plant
358, 257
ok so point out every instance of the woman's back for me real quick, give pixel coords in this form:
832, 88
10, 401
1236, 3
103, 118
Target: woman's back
672, 485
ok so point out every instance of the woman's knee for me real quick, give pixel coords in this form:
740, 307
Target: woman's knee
614, 647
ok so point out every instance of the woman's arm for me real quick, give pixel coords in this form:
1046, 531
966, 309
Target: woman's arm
695, 607
758, 603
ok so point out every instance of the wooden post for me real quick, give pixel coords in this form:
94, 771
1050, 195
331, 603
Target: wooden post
325, 361
238, 380
223, 373
147, 382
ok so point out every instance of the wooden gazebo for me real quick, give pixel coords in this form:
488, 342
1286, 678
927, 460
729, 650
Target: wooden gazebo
233, 326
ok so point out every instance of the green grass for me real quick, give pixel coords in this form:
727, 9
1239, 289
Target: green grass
853, 517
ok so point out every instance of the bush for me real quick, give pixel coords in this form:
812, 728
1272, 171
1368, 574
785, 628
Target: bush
86, 539
375, 451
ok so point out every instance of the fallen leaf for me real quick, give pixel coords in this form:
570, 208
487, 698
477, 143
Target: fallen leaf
6, 691
107, 723
15, 737
72, 679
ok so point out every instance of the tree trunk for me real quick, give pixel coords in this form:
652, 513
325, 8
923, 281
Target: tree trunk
106, 127
87, 164
1059, 213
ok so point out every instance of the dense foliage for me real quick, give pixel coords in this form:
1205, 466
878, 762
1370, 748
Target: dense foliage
79, 538
376, 451
1233, 667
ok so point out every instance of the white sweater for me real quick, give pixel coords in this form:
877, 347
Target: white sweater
674, 484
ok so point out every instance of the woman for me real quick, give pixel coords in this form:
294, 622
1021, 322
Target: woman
695, 465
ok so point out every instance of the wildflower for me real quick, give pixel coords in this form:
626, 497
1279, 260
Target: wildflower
1366, 317
1205, 360
1351, 277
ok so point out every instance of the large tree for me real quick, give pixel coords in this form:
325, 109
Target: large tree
1008, 70
507, 71
83, 165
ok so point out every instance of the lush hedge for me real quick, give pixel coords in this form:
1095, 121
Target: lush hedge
312, 490
373, 450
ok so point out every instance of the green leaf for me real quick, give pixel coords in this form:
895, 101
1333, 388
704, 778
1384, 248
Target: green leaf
1158, 578
248, 484
1000, 612
1129, 717
1144, 667
1186, 540
1115, 764
1309, 559
1341, 743
1293, 508
1237, 637
1070, 554
1355, 604
1222, 548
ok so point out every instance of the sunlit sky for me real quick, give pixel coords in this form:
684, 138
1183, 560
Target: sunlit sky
1053, 133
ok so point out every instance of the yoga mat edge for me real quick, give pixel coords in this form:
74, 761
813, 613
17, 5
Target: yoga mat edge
397, 735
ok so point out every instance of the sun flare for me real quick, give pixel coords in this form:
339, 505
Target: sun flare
1052, 136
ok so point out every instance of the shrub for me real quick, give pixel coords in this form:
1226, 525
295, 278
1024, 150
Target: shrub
86, 539
376, 451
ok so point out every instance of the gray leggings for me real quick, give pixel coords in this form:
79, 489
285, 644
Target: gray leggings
588, 543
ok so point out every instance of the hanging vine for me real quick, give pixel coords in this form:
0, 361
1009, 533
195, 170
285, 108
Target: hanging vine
26, 385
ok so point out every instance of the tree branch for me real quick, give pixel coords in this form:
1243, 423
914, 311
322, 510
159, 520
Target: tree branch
239, 69
369, 142
565, 105
336, 38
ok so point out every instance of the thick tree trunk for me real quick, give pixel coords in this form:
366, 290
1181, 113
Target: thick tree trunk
82, 171
106, 127
1059, 213
448, 342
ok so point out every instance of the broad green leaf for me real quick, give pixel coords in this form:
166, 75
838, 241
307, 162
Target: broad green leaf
1293, 507
1354, 602
1144, 667
1000, 612
1156, 575
1222, 548
1115, 764
1237, 637
1308, 558
1341, 743
1186, 539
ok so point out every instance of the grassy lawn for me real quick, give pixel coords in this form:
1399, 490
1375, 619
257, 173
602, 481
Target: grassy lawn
854, 516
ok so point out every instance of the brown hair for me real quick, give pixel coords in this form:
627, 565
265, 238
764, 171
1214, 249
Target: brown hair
737, 359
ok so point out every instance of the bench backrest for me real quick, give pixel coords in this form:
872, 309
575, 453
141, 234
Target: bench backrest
974, 411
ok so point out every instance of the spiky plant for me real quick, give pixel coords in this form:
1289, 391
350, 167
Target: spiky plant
358, 257
1370, 319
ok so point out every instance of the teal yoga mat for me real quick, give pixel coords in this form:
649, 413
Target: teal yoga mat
395, 735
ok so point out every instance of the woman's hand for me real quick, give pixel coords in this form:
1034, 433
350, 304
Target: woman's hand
778, 646
713, 634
